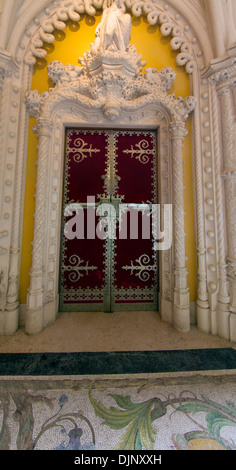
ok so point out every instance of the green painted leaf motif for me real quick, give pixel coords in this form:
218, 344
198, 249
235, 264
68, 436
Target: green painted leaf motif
232, 407
194, 407
112, 417
140, 425
140, 432
138, 445
215, 422
220, 408
124, 402
217, 415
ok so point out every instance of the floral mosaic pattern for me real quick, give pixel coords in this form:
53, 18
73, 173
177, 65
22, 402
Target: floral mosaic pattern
128, 414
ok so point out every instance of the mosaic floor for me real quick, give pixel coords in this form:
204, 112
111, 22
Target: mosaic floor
181, 397
159, 411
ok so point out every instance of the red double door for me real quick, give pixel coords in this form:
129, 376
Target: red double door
108, 261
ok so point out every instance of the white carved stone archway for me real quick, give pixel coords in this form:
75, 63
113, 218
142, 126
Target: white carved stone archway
108, 90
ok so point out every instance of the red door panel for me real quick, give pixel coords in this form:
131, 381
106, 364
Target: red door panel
116, 167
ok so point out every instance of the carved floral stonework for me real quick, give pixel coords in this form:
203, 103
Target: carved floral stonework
98, 84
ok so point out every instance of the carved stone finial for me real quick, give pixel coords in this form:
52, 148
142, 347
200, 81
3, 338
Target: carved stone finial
60, 73
34, 102
184, 106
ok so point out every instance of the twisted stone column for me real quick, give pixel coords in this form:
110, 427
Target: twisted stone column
202, 302
181, 308
12, 299
223, 299
227, 325
8, 313
35, 299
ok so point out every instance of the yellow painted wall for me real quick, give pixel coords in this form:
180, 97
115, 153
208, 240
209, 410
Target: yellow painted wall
68, 46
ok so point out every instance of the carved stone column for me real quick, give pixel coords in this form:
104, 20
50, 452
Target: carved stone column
222, 76
223, 299
202, 302
9, 105
181, 307
227, 325
35, 299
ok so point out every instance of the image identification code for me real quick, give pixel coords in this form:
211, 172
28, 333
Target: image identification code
121, 459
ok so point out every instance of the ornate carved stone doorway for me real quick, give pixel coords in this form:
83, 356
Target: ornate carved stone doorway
114, 173
109, 90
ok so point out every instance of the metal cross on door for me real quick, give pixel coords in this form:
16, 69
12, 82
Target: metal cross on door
107, 258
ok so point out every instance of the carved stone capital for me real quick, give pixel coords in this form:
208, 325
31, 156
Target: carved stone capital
222, 70
223, 79
44, 127
4, 72
178, 130
7, 66
6, 69
223, 90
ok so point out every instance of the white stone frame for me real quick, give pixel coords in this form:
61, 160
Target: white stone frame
42, 305
214, 313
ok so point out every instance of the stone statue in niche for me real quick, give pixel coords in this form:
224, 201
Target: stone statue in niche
114, 30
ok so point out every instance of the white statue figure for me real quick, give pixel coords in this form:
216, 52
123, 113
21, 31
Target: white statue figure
114, 30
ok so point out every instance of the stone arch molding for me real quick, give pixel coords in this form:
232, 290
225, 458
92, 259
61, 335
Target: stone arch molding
109, 89
73, 9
